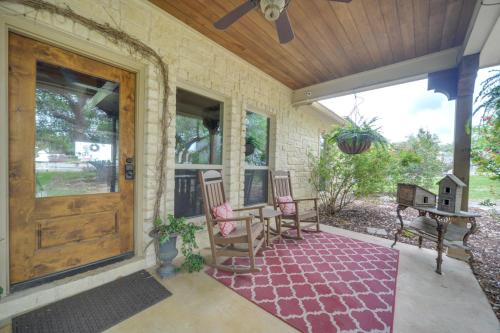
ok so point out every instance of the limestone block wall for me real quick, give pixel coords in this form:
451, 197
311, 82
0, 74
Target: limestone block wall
196, 61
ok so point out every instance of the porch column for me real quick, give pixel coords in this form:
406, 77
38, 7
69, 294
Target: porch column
467, 71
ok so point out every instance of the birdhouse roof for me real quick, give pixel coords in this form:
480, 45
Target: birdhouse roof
420, 187
455, 179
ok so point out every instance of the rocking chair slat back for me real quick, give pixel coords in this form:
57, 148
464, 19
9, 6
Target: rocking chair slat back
281, 185
212, 189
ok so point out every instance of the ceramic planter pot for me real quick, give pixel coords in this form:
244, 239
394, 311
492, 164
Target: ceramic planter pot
167, 253
355, 145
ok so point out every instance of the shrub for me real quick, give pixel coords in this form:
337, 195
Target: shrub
339, 177
486, 136
332, 175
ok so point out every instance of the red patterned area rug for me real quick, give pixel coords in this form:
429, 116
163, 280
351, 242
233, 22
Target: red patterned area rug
324, 283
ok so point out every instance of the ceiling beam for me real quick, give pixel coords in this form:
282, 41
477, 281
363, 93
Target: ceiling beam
401, 72
483, 20
484, 33
324, 111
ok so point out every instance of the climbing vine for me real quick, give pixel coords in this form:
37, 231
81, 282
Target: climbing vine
137, 48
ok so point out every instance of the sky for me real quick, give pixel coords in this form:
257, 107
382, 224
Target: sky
404, 108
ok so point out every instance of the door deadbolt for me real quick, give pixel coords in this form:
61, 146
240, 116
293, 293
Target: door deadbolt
129, 168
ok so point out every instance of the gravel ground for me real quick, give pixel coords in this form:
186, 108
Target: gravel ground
380, 213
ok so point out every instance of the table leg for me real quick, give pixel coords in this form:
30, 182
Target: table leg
277, 219
441, 226
268, 221
399, 230
473, 227
439, 258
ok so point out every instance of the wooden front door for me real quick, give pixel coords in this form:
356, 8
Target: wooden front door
71, 137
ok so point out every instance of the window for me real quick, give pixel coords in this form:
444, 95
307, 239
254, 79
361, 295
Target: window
446, 202
198, 146
447, 190
426, 199
256, 158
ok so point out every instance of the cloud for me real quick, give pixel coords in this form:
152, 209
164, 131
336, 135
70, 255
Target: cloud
427, 101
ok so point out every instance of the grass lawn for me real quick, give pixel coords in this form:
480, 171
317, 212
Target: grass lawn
482, 188
55, 183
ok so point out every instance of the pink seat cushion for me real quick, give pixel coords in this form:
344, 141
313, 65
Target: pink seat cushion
224, 212
287, 205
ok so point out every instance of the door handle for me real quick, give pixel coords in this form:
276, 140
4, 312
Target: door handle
129, 168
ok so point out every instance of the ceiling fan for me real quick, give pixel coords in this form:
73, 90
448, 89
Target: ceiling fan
273, 10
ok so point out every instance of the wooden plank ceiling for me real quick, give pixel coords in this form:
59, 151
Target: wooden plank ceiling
332, 39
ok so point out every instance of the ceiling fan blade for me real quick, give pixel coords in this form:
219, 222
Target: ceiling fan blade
285, 31
345, 1
235, 14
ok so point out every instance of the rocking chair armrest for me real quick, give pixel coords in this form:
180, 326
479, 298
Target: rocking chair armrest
235, 219
249, 208
306, 199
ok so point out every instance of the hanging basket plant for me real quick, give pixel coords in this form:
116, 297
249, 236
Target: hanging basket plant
358, 135
356, 138
250, 144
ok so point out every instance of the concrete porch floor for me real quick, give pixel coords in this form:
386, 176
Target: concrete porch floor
425, 301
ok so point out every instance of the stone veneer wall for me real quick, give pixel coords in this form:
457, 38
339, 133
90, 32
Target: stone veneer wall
196, 60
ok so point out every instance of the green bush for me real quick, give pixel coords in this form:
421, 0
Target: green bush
340, 177
486, 136
332, 175
372, 171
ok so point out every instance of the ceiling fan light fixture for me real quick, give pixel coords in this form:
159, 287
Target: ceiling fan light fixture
272, 8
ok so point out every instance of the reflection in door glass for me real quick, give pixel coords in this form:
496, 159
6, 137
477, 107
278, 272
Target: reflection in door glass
76, 149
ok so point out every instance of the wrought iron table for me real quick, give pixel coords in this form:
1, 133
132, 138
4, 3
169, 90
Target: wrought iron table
437, 227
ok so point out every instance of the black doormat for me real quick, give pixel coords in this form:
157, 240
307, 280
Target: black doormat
94, 310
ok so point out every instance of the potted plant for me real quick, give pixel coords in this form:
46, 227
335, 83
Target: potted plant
356, 138
250, 144
165, 234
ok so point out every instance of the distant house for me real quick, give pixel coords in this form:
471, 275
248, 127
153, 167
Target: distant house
42, 156
450, 193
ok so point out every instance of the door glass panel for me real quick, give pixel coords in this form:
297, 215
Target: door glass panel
76, 148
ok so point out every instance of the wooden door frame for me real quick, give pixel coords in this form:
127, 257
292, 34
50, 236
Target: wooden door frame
76, 44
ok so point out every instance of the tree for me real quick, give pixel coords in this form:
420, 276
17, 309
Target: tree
419, 160
63, 118
486, 136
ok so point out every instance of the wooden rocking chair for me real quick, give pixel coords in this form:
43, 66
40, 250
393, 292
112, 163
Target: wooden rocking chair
281, 186
244, 241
